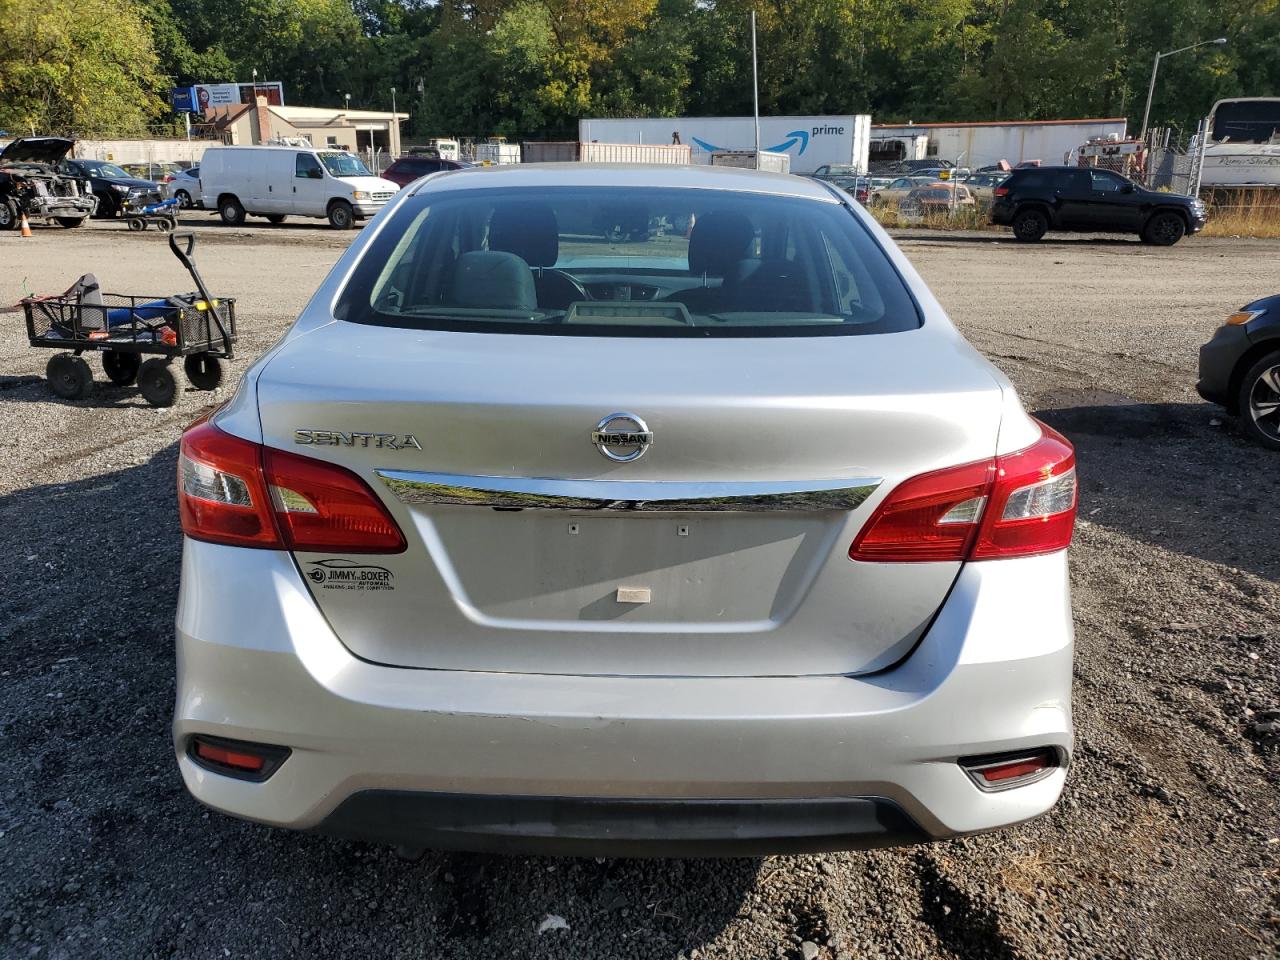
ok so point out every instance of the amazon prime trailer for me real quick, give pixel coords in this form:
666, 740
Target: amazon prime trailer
808, 142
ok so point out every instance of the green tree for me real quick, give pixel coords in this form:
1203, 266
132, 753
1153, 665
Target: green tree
77, 67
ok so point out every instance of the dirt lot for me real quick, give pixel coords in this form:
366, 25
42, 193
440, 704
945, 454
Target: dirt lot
1166, 844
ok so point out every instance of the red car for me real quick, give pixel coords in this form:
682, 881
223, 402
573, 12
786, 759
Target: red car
408, 169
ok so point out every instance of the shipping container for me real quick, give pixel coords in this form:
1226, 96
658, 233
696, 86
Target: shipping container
552, 151
772, 162
1017, 141
809, 142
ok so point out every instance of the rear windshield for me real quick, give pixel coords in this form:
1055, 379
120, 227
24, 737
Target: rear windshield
603, 261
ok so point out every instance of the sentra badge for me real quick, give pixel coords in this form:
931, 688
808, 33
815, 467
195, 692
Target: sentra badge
357, 438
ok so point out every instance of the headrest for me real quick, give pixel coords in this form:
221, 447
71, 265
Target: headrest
718, 242
529, 230
494, 279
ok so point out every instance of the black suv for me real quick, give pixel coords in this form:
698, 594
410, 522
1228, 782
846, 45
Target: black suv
111, 185
1083, 199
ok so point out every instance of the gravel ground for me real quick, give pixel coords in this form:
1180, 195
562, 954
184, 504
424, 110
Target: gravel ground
1166, 843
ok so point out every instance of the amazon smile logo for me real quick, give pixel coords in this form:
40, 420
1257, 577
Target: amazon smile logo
794, 138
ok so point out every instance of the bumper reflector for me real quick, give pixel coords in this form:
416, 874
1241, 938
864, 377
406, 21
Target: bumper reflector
1004, 771
233, 758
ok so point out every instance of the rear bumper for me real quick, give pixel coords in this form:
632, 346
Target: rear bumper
614, 764
584, 826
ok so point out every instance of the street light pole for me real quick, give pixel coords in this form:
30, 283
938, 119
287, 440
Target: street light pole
1155, 68
395, 120
755, 87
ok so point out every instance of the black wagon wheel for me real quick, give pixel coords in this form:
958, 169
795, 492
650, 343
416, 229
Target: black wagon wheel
1259, 401
121, 368
137, 223
69, 376
204, 371
166, 224
158, 384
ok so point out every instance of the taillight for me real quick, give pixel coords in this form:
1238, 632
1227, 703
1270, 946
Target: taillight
1014, 505
322, 508
222, 496
240, 493
1001, 191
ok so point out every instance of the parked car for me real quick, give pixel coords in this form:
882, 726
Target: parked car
830, 171
276, 182
1240, 369
897, 189
520, 539
983, 186
933, 198
157, 172
1035, 200
31, 184
408, 169
184, 186
112, 185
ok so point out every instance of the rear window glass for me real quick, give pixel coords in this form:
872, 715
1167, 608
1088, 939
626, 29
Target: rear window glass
599, 261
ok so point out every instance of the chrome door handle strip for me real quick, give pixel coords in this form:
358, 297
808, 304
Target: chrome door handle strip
627, 495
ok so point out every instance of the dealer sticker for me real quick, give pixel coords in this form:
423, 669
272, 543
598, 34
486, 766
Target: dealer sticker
339, 574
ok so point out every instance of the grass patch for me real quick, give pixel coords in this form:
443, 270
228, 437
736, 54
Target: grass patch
1243, 213
962, 218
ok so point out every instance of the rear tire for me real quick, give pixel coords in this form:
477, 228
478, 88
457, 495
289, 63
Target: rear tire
71, 222
1030, 226
341, 216
275, 218
1164, 229
204, 371
184, 200
8, 215
1259, 391
121, 368
156, 381
231, 211
69, 376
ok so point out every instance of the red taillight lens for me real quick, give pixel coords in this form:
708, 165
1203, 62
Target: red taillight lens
322, 508
930, 517
1015, 505
237, 492
1001, 191
222, 497
1033, 506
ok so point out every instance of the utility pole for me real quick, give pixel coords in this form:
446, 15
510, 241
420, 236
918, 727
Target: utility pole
755, 87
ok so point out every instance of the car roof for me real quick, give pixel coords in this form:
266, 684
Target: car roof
638, 175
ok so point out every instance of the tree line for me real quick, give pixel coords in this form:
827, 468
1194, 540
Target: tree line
531, 68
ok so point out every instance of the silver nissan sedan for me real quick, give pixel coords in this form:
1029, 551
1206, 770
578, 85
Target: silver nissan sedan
638, 510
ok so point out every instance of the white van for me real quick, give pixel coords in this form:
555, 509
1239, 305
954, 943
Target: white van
275, 182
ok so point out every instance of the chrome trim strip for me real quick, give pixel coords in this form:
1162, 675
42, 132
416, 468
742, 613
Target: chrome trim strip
627, 495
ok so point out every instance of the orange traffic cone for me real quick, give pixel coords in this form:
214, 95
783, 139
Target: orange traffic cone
26, 227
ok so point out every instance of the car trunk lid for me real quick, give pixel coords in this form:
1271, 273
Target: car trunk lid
722, 550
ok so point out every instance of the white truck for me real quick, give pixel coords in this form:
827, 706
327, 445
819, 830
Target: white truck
809, 142
277, 182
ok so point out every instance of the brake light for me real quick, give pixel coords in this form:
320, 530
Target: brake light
1014, 505
240, 493
1001, 191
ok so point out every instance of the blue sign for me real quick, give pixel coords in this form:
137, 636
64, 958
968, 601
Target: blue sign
184, 99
